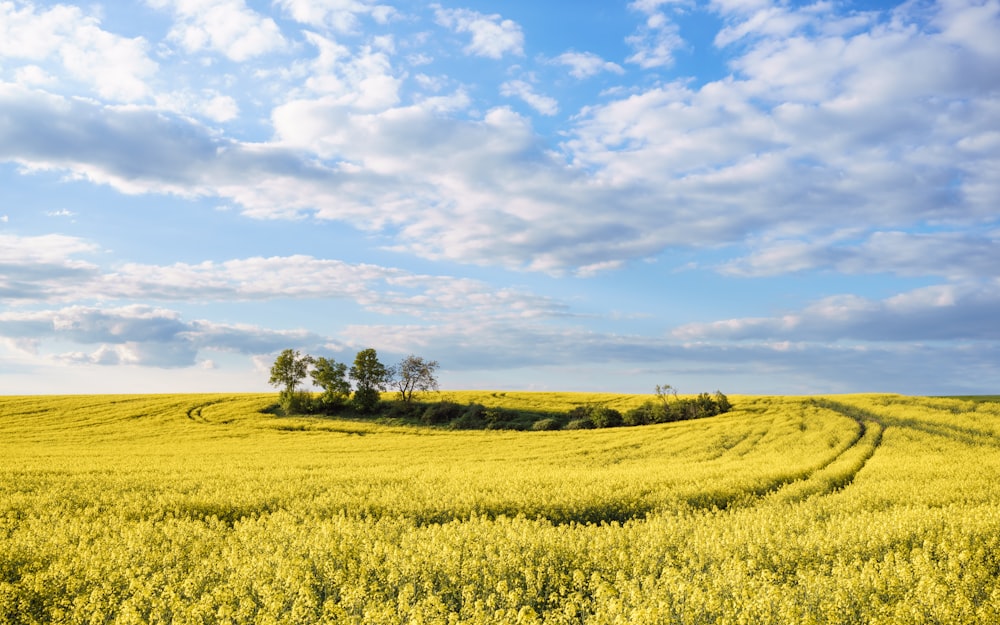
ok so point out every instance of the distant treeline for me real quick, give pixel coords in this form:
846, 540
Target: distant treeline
475, 416
414, 376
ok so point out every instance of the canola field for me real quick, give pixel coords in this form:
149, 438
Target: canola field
198, 509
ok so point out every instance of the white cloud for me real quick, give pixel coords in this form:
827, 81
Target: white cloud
209, 104
363, 81
338, 15
33, 76
520, 89
771, 21
965, 311
952, 255
39, 267
810, 135
70, 43
45, 269
141, 335
586, 64
656, 40
229, 27
492, 36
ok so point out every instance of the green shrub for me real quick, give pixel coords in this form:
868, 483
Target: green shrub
640, 415
366, 399
472, 418
604, 417
443, 412
296, 402
580, 424
546, 424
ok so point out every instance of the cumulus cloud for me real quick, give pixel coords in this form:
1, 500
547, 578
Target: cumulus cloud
143, 336
73, 45
934, 313
38, 267
492, 36
952, 255
656, 40
379, 289
209, 104
229, 27
586, 64
364, 80
337, 15
811, 134
47, 269
520, 89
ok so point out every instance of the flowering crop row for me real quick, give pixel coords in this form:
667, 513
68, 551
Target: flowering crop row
204, 509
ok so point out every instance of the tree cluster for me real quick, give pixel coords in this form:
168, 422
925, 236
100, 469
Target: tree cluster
370, 377
666, 408
360, 387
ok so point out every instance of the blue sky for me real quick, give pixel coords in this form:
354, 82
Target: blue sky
746, 195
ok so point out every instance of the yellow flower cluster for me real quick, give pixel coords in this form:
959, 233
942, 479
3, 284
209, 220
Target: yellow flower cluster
206, 509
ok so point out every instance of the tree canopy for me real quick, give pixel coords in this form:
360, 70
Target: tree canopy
331, 376
370, 378
414, 374
289, 370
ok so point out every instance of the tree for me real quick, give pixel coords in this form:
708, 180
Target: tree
290, 368
414, 374
370, 378
331, 376
665, 392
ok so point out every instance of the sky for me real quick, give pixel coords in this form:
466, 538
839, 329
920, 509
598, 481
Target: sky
752, 196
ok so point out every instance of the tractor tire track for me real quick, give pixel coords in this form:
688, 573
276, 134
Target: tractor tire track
842, 469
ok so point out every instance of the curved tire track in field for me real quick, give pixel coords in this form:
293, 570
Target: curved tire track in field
194, 413
840, 472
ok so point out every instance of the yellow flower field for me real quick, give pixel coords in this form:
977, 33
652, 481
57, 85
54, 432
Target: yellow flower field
207, 509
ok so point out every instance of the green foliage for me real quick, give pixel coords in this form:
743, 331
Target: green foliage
331, 376
366, 400
414, 375
442, 412
289, 370
547, 424
472, 418
370, 378
296, 402
669, 407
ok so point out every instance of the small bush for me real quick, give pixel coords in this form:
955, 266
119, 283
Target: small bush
604, 417
366, 400
580, 424
296, 402
546, 424
471, 418
640, 415
443, 412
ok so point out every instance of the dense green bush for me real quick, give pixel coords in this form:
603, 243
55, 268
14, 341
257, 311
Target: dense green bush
296, 402
596, 416
442, 412
472, 418
678, 409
